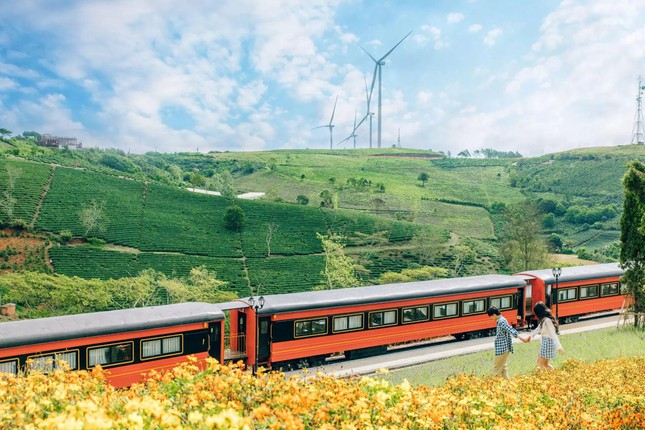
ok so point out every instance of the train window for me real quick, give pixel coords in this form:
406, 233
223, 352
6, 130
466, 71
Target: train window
10, 366
445, 310
109, 354
473, 306
57, 360
383, 318
419, 313
311, 327
588, 291
610, 289
162, 346
567, 294
500, 303
348, 322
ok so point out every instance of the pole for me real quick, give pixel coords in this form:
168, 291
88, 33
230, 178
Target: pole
556, 271
379, 105
256, 307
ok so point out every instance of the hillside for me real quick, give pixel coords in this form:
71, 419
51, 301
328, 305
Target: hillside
375, 198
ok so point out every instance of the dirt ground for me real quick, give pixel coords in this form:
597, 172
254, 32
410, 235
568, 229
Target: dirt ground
18, 244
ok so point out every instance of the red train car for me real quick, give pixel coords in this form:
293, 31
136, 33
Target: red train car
128, 343
311, 326
577, 291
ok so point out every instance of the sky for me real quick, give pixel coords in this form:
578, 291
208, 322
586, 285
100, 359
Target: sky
532, 76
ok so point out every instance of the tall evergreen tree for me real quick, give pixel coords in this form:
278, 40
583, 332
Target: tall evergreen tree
632, 237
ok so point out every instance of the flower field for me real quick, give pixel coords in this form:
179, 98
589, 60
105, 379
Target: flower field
607, 394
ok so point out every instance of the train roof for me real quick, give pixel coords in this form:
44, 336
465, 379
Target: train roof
279, 303
25, 332
578, 273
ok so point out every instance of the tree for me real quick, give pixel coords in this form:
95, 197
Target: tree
340, 270
197, 179
4, 132
327, 199
271, 228
462, 254
302, 199
426, 245
234, 218
423, 177
92, 217
632, 237
522, 245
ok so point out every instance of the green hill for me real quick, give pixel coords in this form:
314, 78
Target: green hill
390, 218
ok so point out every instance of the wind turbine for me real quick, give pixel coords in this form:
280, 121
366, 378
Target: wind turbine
330, 125
353, 135
378, 67
369, 114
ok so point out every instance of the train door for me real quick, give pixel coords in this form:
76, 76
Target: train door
241, 329
215, 340
264, 340
521, 299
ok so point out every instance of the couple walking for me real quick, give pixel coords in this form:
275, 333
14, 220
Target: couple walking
547, 329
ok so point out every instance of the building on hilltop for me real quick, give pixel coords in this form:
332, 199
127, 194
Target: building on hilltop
59, 142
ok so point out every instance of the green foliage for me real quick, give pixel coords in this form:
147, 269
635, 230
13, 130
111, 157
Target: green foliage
632, 237
65, 236
29, 182
522, 246
45, 295
234, 218
423, 177
302, 199
340, 270
417, 274
586, 215
327, 199
117, 161
92, 217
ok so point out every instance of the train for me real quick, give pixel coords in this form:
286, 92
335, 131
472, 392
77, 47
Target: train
285, 331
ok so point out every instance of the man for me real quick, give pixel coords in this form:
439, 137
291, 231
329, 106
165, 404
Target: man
503, 342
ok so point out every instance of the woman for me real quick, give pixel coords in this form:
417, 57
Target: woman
547, 329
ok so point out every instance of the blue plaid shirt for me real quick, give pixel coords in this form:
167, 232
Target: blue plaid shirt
503, 341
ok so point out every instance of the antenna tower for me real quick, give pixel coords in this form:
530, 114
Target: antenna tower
638, 133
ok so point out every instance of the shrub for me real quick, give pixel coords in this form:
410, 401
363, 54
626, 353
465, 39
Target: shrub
65, 236
234, 218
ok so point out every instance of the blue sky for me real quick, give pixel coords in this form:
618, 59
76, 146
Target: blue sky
534, 76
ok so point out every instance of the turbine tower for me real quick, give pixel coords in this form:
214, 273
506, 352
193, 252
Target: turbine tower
330, 125
378, 68
638, 133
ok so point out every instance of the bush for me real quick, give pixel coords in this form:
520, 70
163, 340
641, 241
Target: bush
234, 218
65, 236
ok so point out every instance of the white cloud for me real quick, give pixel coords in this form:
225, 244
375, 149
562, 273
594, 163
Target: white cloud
430, 33
492, 36
474, 28
455, 17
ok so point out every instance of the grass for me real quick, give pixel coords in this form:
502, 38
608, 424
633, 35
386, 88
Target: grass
589, 347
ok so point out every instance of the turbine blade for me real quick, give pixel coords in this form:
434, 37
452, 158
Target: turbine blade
390, 51
372, 87
373, 59
333, 111
320, 126
360, 122
345, 139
